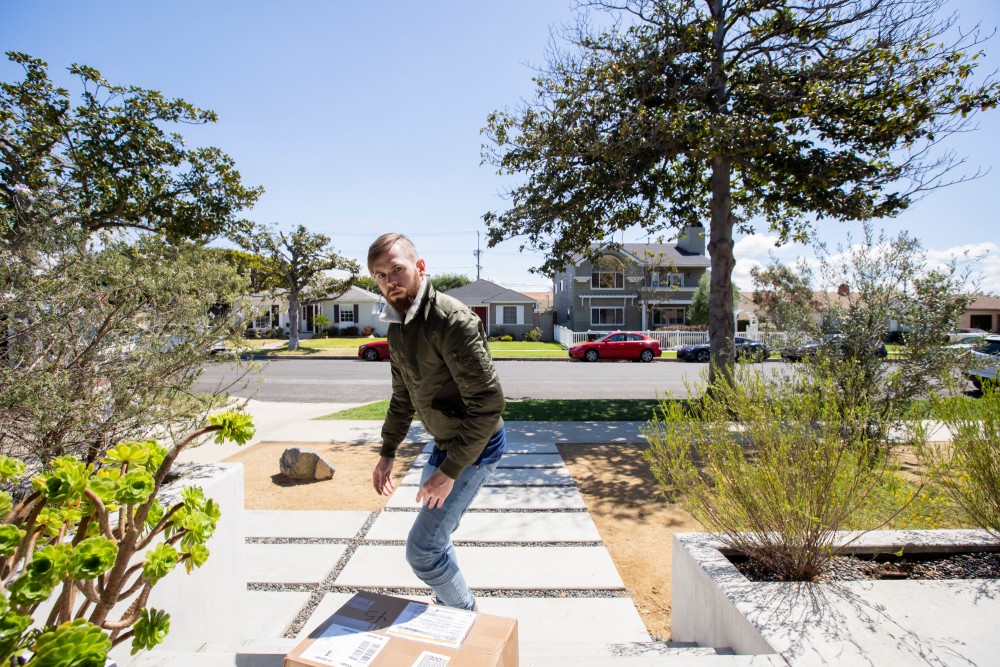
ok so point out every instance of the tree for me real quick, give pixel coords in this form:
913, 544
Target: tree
698, 310
746, 113
367, 283
110, 163
446, 281
651, 275
299, 261
785, 299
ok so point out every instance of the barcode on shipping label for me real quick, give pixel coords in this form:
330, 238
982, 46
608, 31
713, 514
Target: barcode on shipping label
364, 653
428, 659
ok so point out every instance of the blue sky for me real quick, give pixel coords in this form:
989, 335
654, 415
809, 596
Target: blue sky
363, 117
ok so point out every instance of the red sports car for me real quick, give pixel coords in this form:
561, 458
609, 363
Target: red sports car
374, 351
618, 345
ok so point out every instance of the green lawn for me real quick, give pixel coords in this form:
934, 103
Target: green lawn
537, 410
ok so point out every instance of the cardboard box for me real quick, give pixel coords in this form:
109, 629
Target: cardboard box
373, 630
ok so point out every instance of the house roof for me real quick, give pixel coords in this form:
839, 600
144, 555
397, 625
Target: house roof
657, 253
481, 292
544, 299
984, 302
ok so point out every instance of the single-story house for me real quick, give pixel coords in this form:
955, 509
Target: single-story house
502, 310
356, 308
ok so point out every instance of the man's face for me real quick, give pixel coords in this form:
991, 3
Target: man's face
398, 273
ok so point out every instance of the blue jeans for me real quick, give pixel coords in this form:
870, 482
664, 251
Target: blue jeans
429, 549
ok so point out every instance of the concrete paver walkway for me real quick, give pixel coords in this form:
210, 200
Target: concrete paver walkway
527, 546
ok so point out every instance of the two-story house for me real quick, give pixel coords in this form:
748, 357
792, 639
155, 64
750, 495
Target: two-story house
636, 286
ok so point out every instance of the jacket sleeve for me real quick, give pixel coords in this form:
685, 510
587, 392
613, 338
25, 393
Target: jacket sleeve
472, 368
399, 417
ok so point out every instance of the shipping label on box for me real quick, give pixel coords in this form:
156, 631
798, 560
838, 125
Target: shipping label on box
373, 630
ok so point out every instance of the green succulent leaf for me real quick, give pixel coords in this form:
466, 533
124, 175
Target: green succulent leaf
12, 627
193, 497
50, 519
135, 487
155, 514
127, 453
49, 563
150, 630
77, 643
6, 503
11, 469
196, 554
159, 562
105, 487
26, 591
65, 480
10, 539
235, 426
92, 557
157, 453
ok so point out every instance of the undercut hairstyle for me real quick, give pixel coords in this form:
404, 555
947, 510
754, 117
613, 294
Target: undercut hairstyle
385, 242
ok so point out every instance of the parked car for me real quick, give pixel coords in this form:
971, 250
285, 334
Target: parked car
960, 335
983, 376
618, 345
990, 347
746, 348
833, 342
374, 351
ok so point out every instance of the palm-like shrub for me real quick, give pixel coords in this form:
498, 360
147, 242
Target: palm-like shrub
73, 541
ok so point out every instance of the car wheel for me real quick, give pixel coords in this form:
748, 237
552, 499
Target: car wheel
371, 354
591, 355
703, 356
646, 356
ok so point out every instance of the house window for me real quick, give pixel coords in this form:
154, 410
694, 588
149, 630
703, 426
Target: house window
346, 315
608, 273
267, 320
607, 316
665, 279
509, 315
662, 317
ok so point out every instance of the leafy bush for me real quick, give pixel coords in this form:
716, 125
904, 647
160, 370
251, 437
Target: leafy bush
533, 336
968, 468
506, 338
349, 331
779, 482
75, 535
367, 331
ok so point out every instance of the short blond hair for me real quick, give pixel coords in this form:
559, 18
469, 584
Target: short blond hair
384, 243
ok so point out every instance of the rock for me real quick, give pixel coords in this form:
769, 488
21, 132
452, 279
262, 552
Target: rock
304, 463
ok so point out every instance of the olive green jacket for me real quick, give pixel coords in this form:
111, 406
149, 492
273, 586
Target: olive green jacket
442, 369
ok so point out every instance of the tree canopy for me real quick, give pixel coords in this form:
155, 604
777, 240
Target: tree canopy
108, 159
300, 263
750, 114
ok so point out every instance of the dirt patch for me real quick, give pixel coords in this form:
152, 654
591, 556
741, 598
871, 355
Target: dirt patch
634, 520
265, 488
621, 495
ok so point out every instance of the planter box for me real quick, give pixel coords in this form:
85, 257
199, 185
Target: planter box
945, 622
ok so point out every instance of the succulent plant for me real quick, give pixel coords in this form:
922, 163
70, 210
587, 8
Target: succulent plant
77, 643
92, 557
159, 562
151, 628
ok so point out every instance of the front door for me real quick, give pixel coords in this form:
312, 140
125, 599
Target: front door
483, 312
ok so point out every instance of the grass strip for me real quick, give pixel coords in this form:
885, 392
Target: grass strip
570, 410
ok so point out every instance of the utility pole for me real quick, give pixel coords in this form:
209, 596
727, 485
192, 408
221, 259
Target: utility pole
477, 254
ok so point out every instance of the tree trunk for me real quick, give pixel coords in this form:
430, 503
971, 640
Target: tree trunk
293, 319
721, 324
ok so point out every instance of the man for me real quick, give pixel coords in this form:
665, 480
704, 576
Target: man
441, 369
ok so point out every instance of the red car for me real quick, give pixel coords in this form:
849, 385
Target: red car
618, 345
375, 351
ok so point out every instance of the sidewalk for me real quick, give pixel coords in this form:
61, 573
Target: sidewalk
528, 547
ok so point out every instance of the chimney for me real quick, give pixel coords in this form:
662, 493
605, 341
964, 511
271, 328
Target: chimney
692, 240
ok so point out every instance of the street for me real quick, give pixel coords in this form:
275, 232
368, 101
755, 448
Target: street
356, 381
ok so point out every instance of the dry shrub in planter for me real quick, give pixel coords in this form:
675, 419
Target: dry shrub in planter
968, 468
75, 538
771, 466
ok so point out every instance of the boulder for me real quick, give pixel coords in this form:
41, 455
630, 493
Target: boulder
304, 463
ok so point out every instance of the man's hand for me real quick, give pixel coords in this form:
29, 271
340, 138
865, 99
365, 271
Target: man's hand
435, 490
382, 477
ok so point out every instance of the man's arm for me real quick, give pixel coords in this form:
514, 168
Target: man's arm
394, 430
472, 368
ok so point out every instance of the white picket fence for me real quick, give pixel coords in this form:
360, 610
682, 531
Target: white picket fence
669, 339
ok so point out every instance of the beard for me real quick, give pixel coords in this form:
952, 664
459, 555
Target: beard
402, 302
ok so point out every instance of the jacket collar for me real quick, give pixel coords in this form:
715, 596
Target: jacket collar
392, 316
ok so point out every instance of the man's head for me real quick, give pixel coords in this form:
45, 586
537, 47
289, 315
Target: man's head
395, 266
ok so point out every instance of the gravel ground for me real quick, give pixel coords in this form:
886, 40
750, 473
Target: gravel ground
977, 565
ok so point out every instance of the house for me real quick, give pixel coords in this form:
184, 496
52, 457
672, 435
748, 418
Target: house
502, 310
637, 286
354, 309
983, 313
